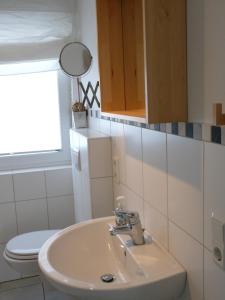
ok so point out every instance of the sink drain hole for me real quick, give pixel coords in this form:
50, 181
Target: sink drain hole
107, 278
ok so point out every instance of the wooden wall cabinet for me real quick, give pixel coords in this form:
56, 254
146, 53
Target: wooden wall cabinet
142, 59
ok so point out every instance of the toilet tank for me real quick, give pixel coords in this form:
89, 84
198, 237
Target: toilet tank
92, 174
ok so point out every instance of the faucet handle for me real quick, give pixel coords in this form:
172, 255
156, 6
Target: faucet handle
133, 217
121, 216
124, 217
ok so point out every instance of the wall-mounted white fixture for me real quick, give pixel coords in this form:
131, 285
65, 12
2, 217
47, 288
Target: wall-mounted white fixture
218, 239
92, 174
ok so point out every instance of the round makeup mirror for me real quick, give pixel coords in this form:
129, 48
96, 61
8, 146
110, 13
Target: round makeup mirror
75, 59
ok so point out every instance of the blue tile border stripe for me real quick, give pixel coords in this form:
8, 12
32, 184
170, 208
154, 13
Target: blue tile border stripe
216, 134
189, 130
175, 128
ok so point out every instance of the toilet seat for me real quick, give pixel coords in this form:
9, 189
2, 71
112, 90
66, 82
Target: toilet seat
27, 246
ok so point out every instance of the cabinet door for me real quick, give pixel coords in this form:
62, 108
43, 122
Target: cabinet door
165, 38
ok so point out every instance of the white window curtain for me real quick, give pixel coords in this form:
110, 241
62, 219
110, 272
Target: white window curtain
36, 29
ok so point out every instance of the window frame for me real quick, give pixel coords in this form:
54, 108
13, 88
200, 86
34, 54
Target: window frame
48, 158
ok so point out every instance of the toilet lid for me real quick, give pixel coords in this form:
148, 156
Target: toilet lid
29, 244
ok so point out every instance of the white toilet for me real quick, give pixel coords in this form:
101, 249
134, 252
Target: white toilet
21, 252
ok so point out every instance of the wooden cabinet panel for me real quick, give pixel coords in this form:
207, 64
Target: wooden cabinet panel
110, 49
165, 36
133, 51
142, 58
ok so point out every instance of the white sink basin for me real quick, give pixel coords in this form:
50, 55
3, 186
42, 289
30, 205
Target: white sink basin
74, 260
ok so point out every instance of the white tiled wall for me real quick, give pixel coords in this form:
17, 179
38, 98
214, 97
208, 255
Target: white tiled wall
33, 200
185, 184
133, 159
214, 188
32, 215
154, 169
176, 184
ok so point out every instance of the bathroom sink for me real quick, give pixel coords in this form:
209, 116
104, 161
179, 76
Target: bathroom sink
85, 261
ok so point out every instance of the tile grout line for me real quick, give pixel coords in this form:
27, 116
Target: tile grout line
167, 194
142, 172
46, 198
203, 218
156, 209
15, 207
113, 192
187, 233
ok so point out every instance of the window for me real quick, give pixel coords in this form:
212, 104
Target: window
34, 120
29, 114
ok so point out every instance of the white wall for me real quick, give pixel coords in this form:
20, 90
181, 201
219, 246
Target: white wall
88, 36
175, 183
33, 200
206, 60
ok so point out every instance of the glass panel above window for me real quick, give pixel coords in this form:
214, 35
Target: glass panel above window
29, 113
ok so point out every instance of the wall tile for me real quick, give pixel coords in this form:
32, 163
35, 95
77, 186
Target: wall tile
214, 188
117, 192
134, 202
156, 224
84, 158
29, 185
105, 126
61, 211
94, 123
102, 197
6, 272
133, 158
214, 278
32, 215
155, 169
8, 226
181, 129
59, 182
100, 157
190, 254
118, 148
6, 188
206, 132
185, 184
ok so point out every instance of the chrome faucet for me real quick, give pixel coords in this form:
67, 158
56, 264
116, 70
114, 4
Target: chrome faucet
128, 223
